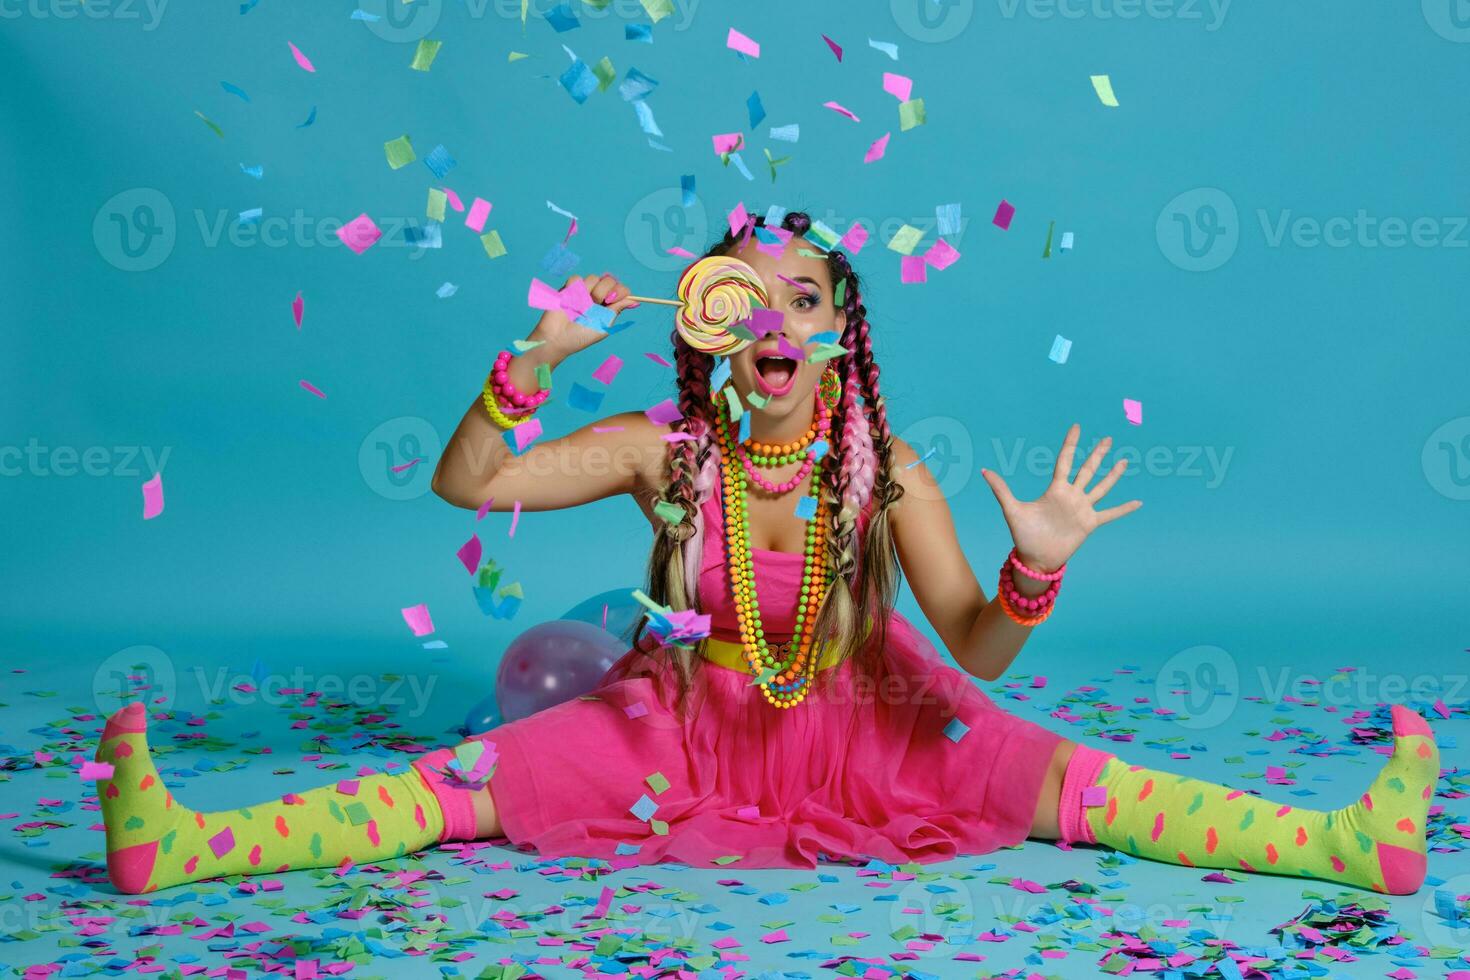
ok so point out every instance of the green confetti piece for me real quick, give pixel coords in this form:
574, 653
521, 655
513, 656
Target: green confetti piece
728, 859
659, 827
494, 247
905, 240
1046, 251
211, 124
358, 813
657, 782
840, 296
911, 114
399, 152
425, 53
658, 9
605, 73
669, 511
435, 210
543, 376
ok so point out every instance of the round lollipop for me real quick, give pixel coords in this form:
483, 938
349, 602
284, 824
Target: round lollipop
716, 293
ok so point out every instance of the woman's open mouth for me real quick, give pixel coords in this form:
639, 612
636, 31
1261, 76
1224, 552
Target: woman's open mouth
774, 374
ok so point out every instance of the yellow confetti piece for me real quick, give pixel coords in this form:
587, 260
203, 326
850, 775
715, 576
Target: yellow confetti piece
1104, 87
399, 152
424, 54
516, 56
905, 240
494, 247
659, 827
437, 200
658, 9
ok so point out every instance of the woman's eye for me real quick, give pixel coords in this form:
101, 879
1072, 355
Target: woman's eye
805, 301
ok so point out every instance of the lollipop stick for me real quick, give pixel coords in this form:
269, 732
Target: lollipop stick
650, 299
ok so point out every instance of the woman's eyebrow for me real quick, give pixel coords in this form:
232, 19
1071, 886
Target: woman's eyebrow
797, 282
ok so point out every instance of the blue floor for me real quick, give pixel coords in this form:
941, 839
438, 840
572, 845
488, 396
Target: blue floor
492, 911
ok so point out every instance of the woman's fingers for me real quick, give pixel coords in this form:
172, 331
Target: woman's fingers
1106, 483
998, 487
1094, 459
607, 290
1113, 513
1064, 458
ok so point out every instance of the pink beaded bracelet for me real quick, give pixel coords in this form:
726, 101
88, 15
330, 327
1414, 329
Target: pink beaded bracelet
1015, 560
513, 401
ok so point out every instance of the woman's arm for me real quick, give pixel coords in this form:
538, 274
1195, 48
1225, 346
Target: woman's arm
586, 465
978, 633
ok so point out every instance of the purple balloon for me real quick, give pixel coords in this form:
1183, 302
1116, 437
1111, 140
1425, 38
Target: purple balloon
551, 663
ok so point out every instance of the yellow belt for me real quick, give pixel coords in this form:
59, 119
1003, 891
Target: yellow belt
726, 653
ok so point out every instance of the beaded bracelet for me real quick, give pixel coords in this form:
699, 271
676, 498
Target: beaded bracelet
505, 389
1033, 610
492, 408
1014, 558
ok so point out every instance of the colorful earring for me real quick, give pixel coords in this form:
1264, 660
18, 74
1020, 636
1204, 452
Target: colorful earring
831, 387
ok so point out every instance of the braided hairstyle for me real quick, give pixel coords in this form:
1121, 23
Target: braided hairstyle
860, 474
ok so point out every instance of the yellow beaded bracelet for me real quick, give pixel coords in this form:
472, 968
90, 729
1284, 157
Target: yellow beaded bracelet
492, 408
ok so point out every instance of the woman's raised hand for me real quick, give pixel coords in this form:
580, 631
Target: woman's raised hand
563, 335
1047, 531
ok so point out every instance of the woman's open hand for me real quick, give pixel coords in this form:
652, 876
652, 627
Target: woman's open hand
1049, 530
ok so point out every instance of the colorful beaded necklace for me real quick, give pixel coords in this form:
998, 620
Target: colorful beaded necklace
787, 667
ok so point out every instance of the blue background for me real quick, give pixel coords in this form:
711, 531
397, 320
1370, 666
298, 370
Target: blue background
1321, 370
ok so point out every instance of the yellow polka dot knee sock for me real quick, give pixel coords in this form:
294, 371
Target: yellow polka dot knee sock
1377, 842
154, 842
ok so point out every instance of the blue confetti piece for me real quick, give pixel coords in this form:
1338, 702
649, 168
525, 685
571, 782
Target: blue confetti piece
745, 427
628, 848
686, 188
948, 216
644, 809
775, 214
585, 399
787, 134
646, 122
245, 8
757, 111
559, 260
1061, 349
251, 217
562, 19
597, 317
956, 730
429, 236
363, 15
819, 448
439, 161
806, 507
720, 374
447, 290
638, 32
579, 81
932, 450
740, 165
257, 171
636, 85
309, 119
234, 90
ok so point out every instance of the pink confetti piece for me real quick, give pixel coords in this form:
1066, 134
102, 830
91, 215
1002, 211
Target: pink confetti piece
664, 413
418, 619
657, 359
779, 936
876, 151
348, 787
728, 142
543, 297
1038, 681
301, 59
515, 518
607, 428
1025, 885
526, 433
683, 253
677, 437
900, 87
636, 710
222, 843
454, 200
1094, 796
484, 509
408, 465
855, 238
836, 48
739, 42
738, 218
93, 771
748, 813
838, 108
298, 307
469, 553
913, 269
1003, 215
479, 211
608, 369
153, 497
312, 388
941, 255
359, 234
1133, 411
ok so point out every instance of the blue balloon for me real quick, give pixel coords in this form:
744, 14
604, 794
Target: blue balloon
623, 613
482, 717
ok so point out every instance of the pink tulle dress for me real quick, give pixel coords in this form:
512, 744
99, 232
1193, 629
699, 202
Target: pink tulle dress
856, 771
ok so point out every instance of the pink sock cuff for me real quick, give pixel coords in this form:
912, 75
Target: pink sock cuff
1082, 771
455, 804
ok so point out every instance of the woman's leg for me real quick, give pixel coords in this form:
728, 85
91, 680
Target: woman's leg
1046, 825
1377, 842
154, 842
